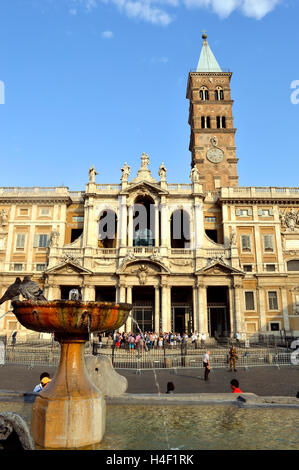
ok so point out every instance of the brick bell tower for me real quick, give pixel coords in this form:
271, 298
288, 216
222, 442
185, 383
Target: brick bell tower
212, 139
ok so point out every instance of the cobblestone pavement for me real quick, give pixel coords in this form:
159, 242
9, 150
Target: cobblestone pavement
263, 381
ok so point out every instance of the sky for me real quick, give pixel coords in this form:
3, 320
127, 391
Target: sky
98, 82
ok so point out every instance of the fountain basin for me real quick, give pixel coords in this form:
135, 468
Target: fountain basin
71, 411
70, 316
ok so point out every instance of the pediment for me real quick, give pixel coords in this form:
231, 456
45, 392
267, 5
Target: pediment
68, 267
219, 268
150, 266
146, 187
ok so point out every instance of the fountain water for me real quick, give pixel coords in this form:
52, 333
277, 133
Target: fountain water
156, 382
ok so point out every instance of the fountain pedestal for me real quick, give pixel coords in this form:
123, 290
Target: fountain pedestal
70, 412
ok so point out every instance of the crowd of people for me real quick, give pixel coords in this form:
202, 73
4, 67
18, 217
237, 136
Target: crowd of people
152, 340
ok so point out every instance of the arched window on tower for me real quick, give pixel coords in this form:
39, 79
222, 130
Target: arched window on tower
204, 94
219, 94
205, 122
221, 122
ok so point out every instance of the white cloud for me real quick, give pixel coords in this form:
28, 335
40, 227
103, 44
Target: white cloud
253, 8
258, 9
73, 11
157, 11
107, 34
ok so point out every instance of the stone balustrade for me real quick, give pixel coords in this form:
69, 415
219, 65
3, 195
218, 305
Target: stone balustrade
253, 192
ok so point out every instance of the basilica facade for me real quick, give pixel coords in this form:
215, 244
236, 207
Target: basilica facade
207, 256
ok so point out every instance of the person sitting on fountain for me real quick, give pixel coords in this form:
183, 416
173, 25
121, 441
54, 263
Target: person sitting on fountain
170, 387
39, 387
45, 382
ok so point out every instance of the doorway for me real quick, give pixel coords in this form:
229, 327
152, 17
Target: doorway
218, 311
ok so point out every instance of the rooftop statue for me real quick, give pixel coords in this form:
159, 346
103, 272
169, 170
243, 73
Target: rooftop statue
92, 174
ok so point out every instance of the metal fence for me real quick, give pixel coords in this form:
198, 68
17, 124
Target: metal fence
180, 356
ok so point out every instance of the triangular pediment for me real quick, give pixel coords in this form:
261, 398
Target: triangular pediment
219, 268
68, 267
145, 186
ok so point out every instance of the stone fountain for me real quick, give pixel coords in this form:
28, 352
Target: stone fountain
70, 412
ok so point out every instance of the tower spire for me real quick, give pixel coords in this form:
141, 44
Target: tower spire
207, 62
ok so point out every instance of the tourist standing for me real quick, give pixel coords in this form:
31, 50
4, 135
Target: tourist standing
233, 356
203, 339
206, 364
14, 338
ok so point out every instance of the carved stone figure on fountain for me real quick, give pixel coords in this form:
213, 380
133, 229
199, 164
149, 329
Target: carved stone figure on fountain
74, 294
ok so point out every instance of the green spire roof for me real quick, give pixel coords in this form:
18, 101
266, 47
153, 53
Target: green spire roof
207, 61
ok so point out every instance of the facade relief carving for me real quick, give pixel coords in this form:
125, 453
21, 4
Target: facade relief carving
289, 220
142, 274
54, 238
68, 258
3, 217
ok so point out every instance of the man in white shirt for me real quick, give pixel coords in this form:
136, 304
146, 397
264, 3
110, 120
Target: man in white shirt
206, 364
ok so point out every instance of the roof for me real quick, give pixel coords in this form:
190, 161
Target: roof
207, 61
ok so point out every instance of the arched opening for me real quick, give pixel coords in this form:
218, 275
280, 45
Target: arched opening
204, 94
219, 95
107, 229
144, 221
180, 229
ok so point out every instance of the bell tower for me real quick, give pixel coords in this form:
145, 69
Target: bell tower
212, 137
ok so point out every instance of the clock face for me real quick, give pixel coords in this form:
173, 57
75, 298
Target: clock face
215, 155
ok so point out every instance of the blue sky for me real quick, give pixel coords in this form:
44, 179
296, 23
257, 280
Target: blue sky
98, 82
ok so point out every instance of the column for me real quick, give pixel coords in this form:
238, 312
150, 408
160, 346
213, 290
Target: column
89, 293
237, 309
122, 299
165, 226
9, 244
29, 261
157, 231
258, 249
123, 220
203, 309
130, 225
166, 308
129, 301
195, 310
157, 309
89, 229
262, 310
285, 310
198, 225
